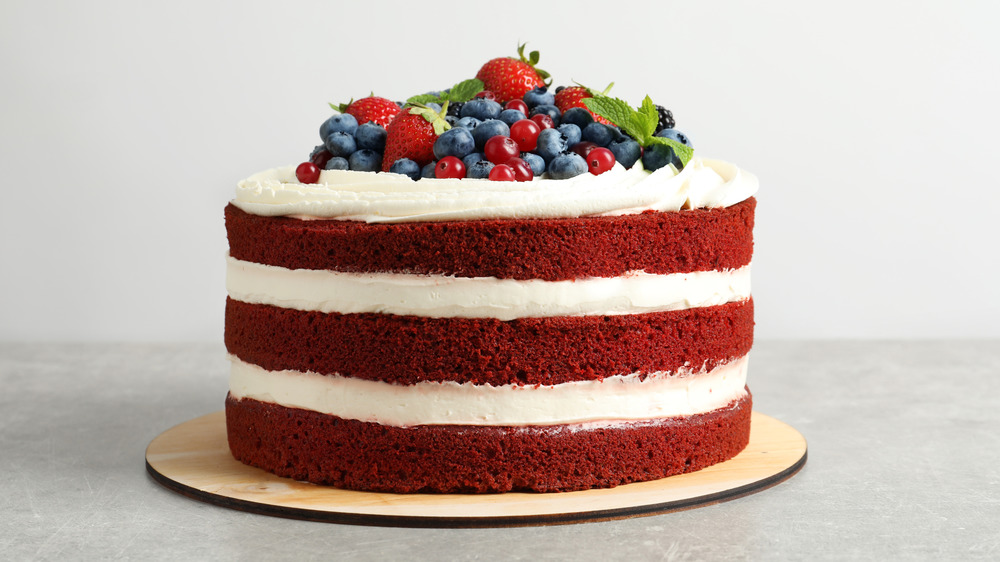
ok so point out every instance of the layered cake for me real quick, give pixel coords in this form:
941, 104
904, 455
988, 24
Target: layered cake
435, 332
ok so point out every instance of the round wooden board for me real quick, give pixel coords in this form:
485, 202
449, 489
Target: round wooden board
193, 459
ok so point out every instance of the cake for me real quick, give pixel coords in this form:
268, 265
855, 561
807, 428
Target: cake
458, 334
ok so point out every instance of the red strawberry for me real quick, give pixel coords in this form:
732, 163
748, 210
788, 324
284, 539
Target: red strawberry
411, 134
374, 109
573, 97
509, 78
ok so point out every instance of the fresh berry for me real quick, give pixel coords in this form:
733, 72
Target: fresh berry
598, 133
307, 172
658, 156
473, 158
487, 95
480, 170
489, 129
406, 167
371, 136
522, 170
566, 166
455, 109
573, 96
411, 135
467, 123
525, 134
501, 149
342, 123
577, 116
365, 160
428, 170
509, 78
536, 162
572, 133
320, 156
501, 172
544, 121
511, 116
372, 109
518, 105
675, 135
337, 163
627, 152
550, 110
449, 167
583, 148
600, 160
539, 96
340, 144
454, 142
551, 143
666, 120
481, 109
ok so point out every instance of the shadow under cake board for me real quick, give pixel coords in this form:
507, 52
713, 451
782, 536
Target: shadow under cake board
193, 459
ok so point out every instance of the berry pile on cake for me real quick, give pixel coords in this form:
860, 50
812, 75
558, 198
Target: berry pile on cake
490, 288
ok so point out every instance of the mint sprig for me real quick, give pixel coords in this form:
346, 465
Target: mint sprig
459, 93
640, 123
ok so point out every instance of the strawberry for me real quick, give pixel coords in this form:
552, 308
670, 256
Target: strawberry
509, 78
411, 134
573, 97
370, 109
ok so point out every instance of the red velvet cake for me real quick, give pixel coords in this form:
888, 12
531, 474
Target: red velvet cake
457, 334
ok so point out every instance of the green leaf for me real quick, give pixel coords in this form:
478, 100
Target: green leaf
618, 112
422, 99
465, 90
650, 118
683, 151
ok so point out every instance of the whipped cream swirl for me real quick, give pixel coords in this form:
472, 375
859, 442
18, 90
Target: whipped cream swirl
387, 197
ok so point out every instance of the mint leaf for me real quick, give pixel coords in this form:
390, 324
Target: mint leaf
618, 112
422, 99
465, 90
648, 115
683, 151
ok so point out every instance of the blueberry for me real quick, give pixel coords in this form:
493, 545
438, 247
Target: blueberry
536, 162
340, 123
316, 151
598, 133
341, 144
337, 163
547, 109
626, 151
406, 167
366, 160
675, 135
454, 142
435, 106
451, 120
511, 116
539, 96
566, 166
479, 170
371, 136
578, 116
572, 132
487, 130
472, 159
657, 156
551, 143
468, 123
617, 134
481, 109
428, 170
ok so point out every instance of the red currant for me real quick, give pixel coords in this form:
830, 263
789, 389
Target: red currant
321, 158
500, 149
449, 167
600, 160
518, 105
583, 148
502, 172
487, 94
522, 171
544, 121
307, 172
525, 134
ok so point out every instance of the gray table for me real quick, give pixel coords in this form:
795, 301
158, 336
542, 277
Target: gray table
904, 449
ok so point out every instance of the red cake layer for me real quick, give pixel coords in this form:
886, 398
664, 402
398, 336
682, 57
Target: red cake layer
409, 349
325, 449
549, 249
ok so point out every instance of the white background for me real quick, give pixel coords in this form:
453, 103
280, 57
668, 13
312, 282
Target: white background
873, 127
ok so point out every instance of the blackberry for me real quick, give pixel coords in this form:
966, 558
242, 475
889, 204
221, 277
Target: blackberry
560, 88
455, 108
666, 119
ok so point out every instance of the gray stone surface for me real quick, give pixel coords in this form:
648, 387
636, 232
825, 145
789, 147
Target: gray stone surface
903, 438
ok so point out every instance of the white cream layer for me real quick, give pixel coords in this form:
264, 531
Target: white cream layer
439, 296
612, 400
385, 197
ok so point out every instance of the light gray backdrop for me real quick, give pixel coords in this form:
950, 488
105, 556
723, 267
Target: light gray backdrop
873, 127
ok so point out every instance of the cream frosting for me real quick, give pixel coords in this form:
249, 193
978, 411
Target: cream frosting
612, 400
440, 296
387, 197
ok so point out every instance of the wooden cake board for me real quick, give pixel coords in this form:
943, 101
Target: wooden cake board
193, 459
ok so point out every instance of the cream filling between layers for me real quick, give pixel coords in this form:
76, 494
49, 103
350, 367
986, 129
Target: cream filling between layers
439, 296
615, 399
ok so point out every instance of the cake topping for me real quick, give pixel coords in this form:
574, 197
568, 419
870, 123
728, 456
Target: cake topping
509, 78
